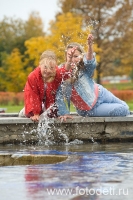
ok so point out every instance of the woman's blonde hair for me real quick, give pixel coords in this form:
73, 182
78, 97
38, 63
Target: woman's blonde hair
75, 44
47, 57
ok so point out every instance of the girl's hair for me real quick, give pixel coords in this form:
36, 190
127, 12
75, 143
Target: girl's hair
75, 44
47, 56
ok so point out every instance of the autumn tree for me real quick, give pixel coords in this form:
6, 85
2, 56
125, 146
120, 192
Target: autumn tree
126, 53
33, 27
15, 75
34, 48
66, 29
110, 21
13, 34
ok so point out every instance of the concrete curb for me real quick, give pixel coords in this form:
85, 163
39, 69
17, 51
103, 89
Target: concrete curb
14, 129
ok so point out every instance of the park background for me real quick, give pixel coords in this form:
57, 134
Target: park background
23, 41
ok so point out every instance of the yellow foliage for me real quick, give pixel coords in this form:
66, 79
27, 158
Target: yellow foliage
67, 28
35, 46
15, 74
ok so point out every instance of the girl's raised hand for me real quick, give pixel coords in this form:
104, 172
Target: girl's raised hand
90, 39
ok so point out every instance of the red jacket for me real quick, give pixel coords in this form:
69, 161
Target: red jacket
34, 91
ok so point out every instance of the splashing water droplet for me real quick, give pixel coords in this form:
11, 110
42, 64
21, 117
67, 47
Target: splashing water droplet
44, 128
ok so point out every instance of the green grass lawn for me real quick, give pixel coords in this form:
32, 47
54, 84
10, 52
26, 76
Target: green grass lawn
119, 86
16, 109
130, 104
12, 109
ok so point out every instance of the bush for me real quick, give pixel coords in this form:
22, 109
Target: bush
125, 95
11, 98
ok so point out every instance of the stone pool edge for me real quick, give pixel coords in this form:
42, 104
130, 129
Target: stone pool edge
15, 130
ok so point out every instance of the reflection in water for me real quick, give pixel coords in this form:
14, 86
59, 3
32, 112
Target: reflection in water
93, 172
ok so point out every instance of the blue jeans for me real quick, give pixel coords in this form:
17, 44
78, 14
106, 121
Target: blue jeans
107, 105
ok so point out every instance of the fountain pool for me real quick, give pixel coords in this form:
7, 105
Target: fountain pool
90, 171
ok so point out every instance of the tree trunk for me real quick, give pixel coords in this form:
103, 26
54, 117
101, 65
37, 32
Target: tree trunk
99, 73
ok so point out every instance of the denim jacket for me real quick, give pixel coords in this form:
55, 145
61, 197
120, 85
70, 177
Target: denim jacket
85, 86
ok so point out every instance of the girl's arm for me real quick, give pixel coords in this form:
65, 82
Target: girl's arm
32, 99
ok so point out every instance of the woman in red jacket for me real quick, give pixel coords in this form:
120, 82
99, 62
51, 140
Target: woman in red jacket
41, 86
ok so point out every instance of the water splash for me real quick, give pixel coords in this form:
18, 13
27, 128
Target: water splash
92, 139
44, 127
75, 142
45, 130
63, 136
46, 135
93, 26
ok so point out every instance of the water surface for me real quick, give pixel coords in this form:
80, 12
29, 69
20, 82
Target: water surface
93, 171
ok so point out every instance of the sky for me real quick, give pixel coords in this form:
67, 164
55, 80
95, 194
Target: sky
22, 8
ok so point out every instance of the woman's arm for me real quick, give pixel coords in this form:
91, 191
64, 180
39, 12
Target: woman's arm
62, 112
62, 108
89, 57
90, 52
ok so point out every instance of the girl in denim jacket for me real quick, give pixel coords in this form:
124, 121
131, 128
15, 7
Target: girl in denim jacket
89, 98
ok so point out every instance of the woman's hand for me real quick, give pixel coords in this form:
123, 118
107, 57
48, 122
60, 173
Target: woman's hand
64, 117
35, 118
69, 58
90, 39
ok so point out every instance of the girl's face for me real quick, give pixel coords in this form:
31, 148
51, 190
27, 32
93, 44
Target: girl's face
73, 57
48, 70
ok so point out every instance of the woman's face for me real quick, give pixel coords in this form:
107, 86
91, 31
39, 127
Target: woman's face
48, 70
73, 57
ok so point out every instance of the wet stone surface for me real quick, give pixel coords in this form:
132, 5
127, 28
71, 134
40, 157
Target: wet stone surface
15, 130
21, 159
